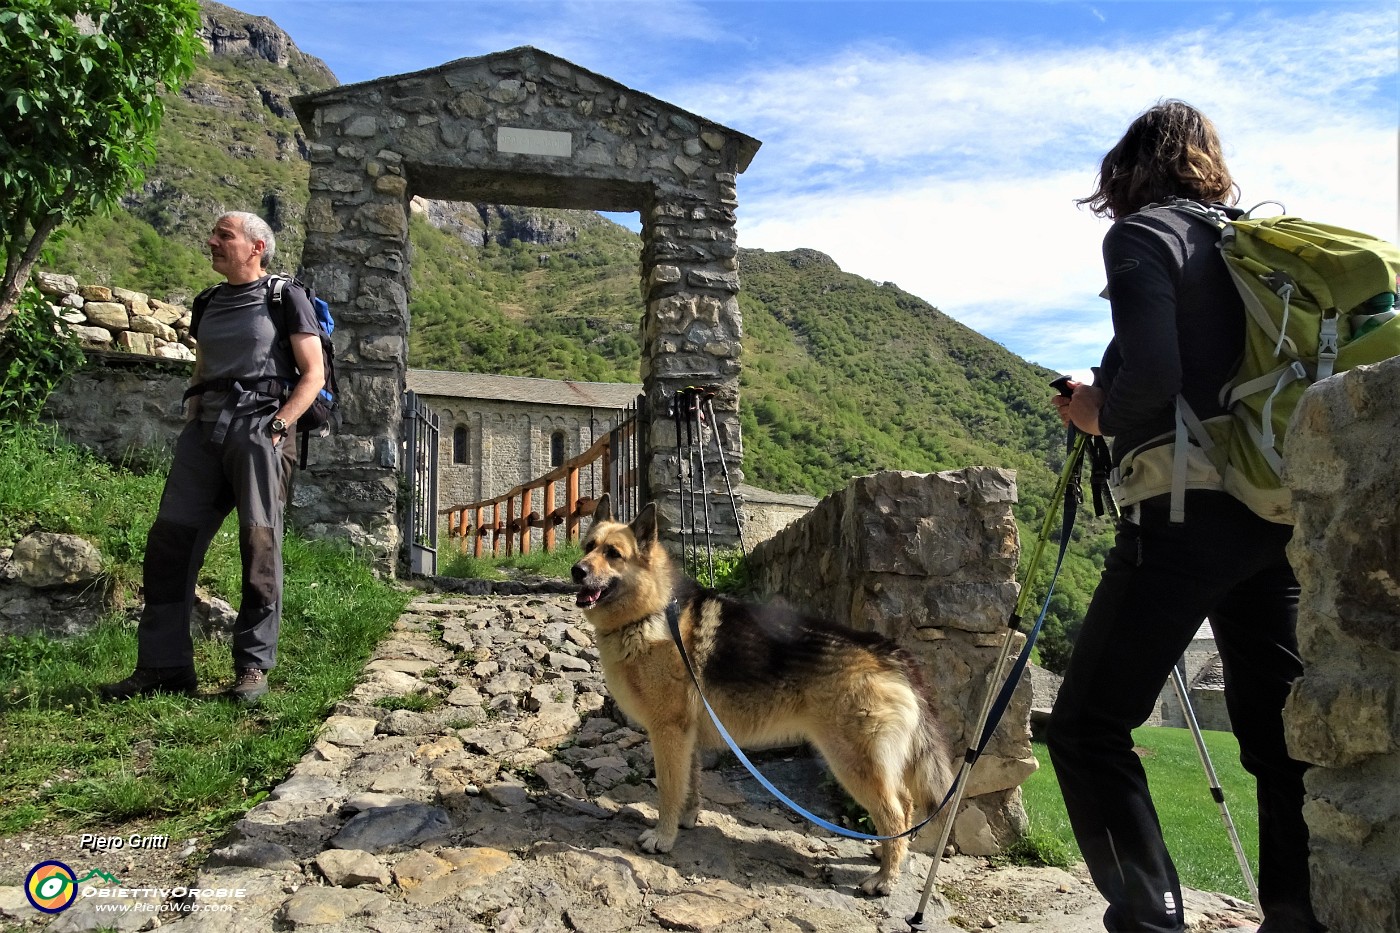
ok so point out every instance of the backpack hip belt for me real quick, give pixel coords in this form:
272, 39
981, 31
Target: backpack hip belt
237, 395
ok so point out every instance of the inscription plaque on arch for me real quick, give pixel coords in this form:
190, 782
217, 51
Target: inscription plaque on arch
521, 141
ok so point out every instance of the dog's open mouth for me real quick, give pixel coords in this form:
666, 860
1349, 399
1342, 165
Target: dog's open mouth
590, 596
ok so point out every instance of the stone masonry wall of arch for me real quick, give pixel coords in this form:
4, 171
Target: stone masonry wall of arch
521, 127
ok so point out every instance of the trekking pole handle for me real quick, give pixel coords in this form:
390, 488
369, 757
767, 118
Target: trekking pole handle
1061, 385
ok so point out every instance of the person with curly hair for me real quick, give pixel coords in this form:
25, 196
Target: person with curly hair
1178, 328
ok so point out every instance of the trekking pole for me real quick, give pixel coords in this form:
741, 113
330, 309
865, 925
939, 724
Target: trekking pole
680, 469
724, 468
693, 564
1068, 478
704, 491
1183, 695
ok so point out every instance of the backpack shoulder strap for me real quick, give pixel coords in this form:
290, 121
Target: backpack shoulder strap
281, 309
201, 301
1210, 215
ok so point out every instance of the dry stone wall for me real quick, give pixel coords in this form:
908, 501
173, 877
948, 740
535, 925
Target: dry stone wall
1344, 712
929, 560
110, 318
126, 400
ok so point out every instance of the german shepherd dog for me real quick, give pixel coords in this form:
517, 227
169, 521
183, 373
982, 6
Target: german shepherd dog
773, 676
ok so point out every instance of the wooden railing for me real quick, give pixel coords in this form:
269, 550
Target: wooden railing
510, 518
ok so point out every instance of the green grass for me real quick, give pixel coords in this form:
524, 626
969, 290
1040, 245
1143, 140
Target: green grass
68, 761
1191, 822
554, 565
414, 702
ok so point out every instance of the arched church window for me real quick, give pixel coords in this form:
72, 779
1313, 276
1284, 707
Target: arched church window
461, 439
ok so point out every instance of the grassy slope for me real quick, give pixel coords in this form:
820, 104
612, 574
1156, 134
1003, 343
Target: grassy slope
1191, 821
67, 760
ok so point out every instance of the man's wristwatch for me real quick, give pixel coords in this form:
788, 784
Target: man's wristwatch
279, 426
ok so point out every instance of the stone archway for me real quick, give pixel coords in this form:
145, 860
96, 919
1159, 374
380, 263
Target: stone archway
515, 127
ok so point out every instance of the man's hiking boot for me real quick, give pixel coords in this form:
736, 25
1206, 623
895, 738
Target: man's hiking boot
249, 687
145, 681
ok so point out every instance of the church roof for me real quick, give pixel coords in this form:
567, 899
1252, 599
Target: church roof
523, 389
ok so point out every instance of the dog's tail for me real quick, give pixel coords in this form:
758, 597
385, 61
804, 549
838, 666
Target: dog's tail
932, 764
931, 760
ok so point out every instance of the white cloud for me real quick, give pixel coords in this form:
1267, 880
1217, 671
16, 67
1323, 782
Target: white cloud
1007, 259
954, 174
613, 37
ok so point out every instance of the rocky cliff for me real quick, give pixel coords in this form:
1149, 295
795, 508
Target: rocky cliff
230, 33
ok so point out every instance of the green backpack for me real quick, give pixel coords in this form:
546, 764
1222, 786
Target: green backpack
1318, 301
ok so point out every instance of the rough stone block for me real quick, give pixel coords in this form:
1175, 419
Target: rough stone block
137, 342
109, 314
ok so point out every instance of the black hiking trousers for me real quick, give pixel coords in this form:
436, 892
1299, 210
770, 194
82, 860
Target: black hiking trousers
207, 480
1159, 582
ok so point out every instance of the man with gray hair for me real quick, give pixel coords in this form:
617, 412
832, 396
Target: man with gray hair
258, 368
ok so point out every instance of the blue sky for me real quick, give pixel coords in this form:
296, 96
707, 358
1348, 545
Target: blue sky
941, 145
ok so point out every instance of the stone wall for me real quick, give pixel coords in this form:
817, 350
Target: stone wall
1344, 713
109, 318
126, 400
930, 561
765, 513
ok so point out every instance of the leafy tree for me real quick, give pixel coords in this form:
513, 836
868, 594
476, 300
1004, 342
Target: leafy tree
80, 100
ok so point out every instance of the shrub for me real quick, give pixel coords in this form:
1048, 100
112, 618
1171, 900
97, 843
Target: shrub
37, 350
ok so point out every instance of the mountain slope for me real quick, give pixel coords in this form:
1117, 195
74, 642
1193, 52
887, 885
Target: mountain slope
229, 141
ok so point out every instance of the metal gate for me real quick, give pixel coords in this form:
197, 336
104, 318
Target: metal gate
420, 444
624, 477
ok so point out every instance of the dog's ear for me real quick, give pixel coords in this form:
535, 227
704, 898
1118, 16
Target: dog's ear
644, 525
602, 511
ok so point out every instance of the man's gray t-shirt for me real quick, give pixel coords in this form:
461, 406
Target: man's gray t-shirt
238, 338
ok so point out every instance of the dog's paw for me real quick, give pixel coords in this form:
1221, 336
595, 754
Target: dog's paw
877, 885
652, 840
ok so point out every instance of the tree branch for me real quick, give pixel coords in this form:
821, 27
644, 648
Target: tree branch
17, 274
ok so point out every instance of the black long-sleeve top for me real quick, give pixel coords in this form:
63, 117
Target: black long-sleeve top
1178, 324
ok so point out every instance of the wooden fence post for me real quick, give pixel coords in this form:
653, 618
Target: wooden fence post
548, 517
571, 504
